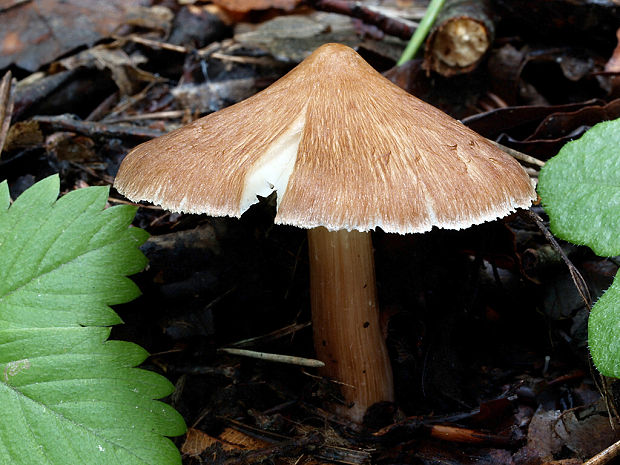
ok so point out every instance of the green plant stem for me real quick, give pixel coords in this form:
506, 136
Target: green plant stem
421, 32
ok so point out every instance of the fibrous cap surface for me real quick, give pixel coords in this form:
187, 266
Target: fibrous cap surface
344, 148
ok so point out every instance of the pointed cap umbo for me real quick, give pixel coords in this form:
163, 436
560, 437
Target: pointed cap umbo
343, 147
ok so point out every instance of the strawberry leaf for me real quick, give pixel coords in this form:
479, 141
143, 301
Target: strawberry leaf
68, 395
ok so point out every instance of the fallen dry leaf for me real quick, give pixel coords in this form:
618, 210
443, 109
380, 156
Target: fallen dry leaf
23, 134
36, 32
583, 430
196, 442
613, 66
291, 38
123, 68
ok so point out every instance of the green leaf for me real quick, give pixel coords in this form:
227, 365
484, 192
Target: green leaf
68, 395
580, 190
604, 331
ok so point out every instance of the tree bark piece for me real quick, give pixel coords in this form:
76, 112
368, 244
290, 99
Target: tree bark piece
462, 34
345, 318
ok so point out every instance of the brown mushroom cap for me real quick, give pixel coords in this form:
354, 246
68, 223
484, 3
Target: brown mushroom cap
344, 148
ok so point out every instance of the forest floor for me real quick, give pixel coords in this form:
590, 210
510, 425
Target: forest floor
486, 330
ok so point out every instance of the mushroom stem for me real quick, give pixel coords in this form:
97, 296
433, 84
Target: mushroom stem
345, 318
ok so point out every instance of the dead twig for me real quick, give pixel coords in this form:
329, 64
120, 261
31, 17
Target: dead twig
126, 202
7, 88
262, 61
128, 102
519, 155
466, 435
279, 358
87, 169
172, 114
533, 172
423, 427
321, 450
103, 108
154, 43
37, 87
277, 334
94, 128
580, 283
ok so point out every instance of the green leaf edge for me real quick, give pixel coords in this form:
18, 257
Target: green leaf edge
604, 319
603, 337
48, 189
596, 137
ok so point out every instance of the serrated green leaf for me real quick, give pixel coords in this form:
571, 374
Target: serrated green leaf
67, 394
580, 190
604, 331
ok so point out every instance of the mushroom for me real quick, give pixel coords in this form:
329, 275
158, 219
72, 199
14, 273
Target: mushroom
346, 151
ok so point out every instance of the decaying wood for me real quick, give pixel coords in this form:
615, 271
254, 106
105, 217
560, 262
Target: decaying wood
460, 38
